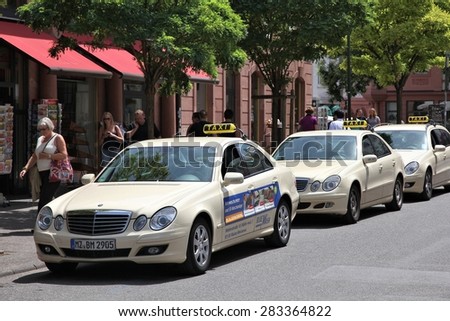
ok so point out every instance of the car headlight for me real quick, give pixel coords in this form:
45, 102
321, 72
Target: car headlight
331, 183
59, 223
315, 186
163, 218
411, 168
44, 219
140, 223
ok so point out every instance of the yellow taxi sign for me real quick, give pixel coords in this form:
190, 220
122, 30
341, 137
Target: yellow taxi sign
355, 124
222, 128
418, 119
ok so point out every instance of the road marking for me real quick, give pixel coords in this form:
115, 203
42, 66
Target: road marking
372, 274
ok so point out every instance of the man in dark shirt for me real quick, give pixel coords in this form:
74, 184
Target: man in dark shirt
228, 116
196, 129
137, 130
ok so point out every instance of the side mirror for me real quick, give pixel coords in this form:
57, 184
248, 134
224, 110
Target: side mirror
371, 158
439, 148
87, 178
233, 178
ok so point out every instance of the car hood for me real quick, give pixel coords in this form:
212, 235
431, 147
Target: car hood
137, 197
411, 155
319, 169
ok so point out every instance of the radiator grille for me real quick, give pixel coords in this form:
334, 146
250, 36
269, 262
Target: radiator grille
94, 222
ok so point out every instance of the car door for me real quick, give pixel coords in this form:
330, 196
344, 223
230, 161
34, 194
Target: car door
373, 185
441, 137
386, 165
251, 205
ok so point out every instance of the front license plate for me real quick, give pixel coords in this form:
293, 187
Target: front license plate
93, 245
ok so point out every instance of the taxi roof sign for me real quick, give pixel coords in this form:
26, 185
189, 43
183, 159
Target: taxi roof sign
355, 124
418, 119
221, 128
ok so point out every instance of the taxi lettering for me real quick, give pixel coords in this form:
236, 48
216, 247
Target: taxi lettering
219, 128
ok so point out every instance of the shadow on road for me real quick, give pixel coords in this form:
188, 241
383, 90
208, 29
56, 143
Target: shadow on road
137, 274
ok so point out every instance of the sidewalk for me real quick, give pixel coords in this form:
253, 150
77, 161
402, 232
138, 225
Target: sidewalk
17, 249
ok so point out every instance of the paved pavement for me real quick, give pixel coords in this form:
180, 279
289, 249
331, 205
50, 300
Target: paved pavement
17, 250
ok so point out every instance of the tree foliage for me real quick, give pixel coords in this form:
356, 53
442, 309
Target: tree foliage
283, 31
335, 78
167, 37
399, 38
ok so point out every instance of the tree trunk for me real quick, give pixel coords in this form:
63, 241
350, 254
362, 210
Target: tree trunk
399, 94
276, 108
150, 93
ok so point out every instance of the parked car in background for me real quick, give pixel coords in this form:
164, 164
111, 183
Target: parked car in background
343, 171
425, 149
174, 200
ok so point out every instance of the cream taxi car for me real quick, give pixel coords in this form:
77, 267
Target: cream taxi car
171, 200
425, 148
343, 171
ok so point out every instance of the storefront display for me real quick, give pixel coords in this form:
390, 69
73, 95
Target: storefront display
6, 138
39, 109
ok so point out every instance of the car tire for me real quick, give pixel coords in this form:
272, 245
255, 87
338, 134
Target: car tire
281, 226
397, 196
65, 267
427, 192
353, 205
198, 253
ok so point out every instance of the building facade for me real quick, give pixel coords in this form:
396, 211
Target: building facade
83, 84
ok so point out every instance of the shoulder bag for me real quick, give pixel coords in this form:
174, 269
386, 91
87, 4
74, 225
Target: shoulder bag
61, 171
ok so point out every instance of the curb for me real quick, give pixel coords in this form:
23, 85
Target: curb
22, 269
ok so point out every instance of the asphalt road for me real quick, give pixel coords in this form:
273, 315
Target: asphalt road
387, 256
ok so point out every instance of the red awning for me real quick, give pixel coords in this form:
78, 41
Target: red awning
36, 47
118, 60
200, 76
124, 63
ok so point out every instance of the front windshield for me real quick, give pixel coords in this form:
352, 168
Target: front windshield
161, 163
317, 148
405, 139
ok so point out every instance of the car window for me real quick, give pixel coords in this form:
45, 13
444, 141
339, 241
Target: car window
405, 139
379, 146
231, 160
446, 136
246, 159
442, 137
320, 148
367, 147
161, 163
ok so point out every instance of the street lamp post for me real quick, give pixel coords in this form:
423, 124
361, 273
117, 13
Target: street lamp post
445, 87
349, 76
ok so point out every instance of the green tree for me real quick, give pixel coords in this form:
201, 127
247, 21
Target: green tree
335, 78
283, 31
166, 37
399, 38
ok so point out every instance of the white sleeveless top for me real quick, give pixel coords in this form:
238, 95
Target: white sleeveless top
43, 164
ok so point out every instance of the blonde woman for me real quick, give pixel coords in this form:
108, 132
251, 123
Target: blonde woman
373, 119
110, 138
50, 146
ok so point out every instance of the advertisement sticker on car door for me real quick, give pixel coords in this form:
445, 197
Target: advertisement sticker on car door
250, 203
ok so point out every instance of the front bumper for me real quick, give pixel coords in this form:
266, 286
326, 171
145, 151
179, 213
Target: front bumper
139, 247
323, 203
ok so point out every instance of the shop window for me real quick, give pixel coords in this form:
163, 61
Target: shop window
231, 90
391, 112
78, 125
134, 98
417, 107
